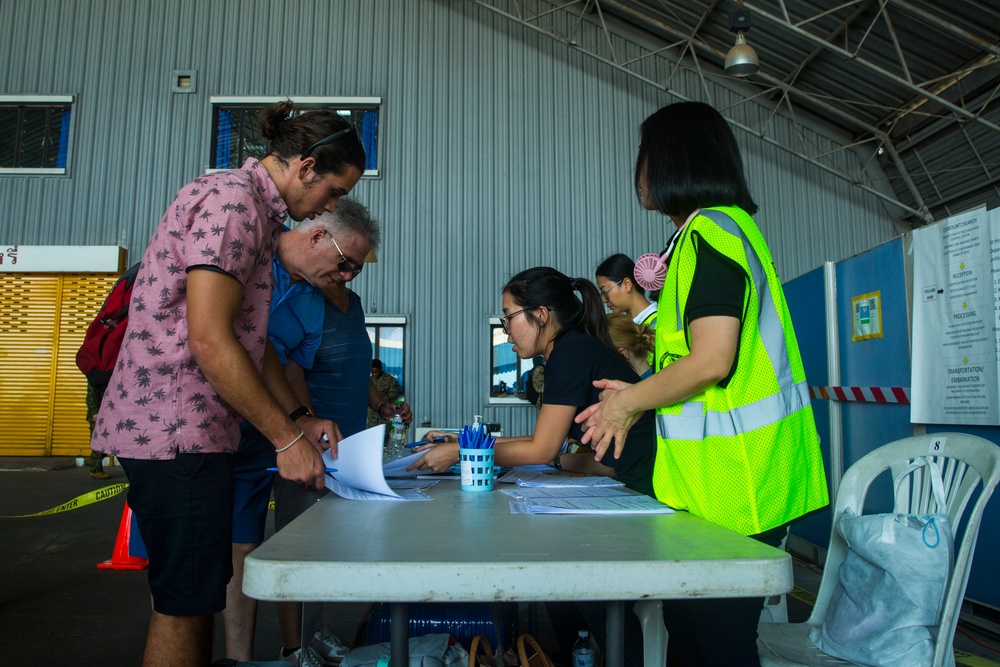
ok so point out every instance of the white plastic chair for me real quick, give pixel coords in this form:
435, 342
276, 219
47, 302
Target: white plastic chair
776, 607
654, 633
965, 461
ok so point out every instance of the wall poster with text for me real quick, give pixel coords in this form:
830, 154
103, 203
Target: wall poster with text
956, 355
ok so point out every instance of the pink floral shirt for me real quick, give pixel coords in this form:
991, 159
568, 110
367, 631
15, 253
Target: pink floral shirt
158, 403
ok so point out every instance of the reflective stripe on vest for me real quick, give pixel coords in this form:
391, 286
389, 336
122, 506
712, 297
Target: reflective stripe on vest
768, 320
695, 423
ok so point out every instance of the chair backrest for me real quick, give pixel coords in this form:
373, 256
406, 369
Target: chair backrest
965, 461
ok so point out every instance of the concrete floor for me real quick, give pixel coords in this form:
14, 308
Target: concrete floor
56, 607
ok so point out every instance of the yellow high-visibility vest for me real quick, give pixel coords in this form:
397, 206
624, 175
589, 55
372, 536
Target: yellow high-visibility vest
745, 456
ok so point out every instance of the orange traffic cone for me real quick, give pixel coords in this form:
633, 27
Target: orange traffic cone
121, 559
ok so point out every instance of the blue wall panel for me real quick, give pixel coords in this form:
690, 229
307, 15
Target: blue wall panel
877, 362
805, 302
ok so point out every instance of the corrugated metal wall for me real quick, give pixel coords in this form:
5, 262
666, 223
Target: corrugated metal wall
501, 149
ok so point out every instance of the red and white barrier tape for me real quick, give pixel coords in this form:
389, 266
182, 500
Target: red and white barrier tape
863, 394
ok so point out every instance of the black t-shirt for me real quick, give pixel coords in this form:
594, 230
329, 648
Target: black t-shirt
576, 360
717, 288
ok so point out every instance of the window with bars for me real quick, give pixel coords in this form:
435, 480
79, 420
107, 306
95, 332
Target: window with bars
34, 134
235, 136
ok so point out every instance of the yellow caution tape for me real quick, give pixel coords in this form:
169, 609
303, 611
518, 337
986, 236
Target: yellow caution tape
964, 658
802, 595
88, 499
80, 501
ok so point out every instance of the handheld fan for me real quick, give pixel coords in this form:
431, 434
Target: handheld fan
651, 270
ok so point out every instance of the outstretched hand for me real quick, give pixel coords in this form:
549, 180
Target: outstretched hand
609, 421
437, 458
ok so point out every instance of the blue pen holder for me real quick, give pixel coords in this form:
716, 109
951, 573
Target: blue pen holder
477, 469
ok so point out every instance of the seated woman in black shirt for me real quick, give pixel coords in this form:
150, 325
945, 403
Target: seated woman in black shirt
544, 316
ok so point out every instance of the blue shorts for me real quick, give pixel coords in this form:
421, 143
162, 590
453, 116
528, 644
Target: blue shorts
184, 508
253, 483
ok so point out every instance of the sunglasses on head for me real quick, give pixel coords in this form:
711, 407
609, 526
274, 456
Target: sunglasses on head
327, 140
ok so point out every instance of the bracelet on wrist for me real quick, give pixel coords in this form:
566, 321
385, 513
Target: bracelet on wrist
289, 445
379, 411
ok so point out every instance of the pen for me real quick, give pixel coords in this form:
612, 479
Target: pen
324, 469
440, 438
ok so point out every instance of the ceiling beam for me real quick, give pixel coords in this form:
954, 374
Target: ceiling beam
663, 30
871, 67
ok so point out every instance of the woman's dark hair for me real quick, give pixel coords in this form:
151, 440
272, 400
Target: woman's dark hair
690, 159
544, 286
617, 268
290, 135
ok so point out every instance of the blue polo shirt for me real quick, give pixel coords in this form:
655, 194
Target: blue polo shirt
339, 379
295, 326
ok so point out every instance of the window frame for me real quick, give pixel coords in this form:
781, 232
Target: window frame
50, 101
306, 101
378, 321
522, 365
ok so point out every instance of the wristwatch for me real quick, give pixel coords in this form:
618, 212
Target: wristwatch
301, 411
555, 462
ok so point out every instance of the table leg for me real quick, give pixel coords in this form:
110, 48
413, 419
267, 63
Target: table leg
399, 634
312, 616
615, 655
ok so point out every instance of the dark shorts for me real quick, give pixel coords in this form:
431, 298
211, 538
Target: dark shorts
292, 499
253, 486
184, 511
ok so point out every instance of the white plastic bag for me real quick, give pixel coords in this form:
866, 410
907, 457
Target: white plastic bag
887, 604
435, 650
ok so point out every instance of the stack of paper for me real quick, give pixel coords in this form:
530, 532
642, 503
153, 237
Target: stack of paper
359, 473
604, 505
601, 500
524, 477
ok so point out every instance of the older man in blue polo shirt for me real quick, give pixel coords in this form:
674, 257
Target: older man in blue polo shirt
306, 260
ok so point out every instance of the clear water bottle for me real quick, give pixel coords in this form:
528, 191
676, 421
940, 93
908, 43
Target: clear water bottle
397, 435
583, 654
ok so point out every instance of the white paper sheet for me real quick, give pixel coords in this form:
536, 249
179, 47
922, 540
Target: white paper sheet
622, 504
411, 483
955, 349
397, 468
359, 473
527, 478
564, 491
350, 493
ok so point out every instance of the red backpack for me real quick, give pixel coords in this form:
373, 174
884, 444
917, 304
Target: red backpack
97, 356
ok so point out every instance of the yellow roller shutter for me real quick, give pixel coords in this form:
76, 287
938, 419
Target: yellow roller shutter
42, 393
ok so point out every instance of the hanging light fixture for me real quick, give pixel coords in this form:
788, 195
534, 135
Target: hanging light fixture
741, 59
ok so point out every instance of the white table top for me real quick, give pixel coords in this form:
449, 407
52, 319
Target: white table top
465, 547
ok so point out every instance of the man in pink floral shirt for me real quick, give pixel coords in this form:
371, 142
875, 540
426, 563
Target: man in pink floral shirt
196, 361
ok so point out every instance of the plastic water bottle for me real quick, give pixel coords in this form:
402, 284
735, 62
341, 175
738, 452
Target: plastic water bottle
397, 434
583, 655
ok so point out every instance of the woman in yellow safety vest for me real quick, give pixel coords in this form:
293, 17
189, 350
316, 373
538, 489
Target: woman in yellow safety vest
736, 440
